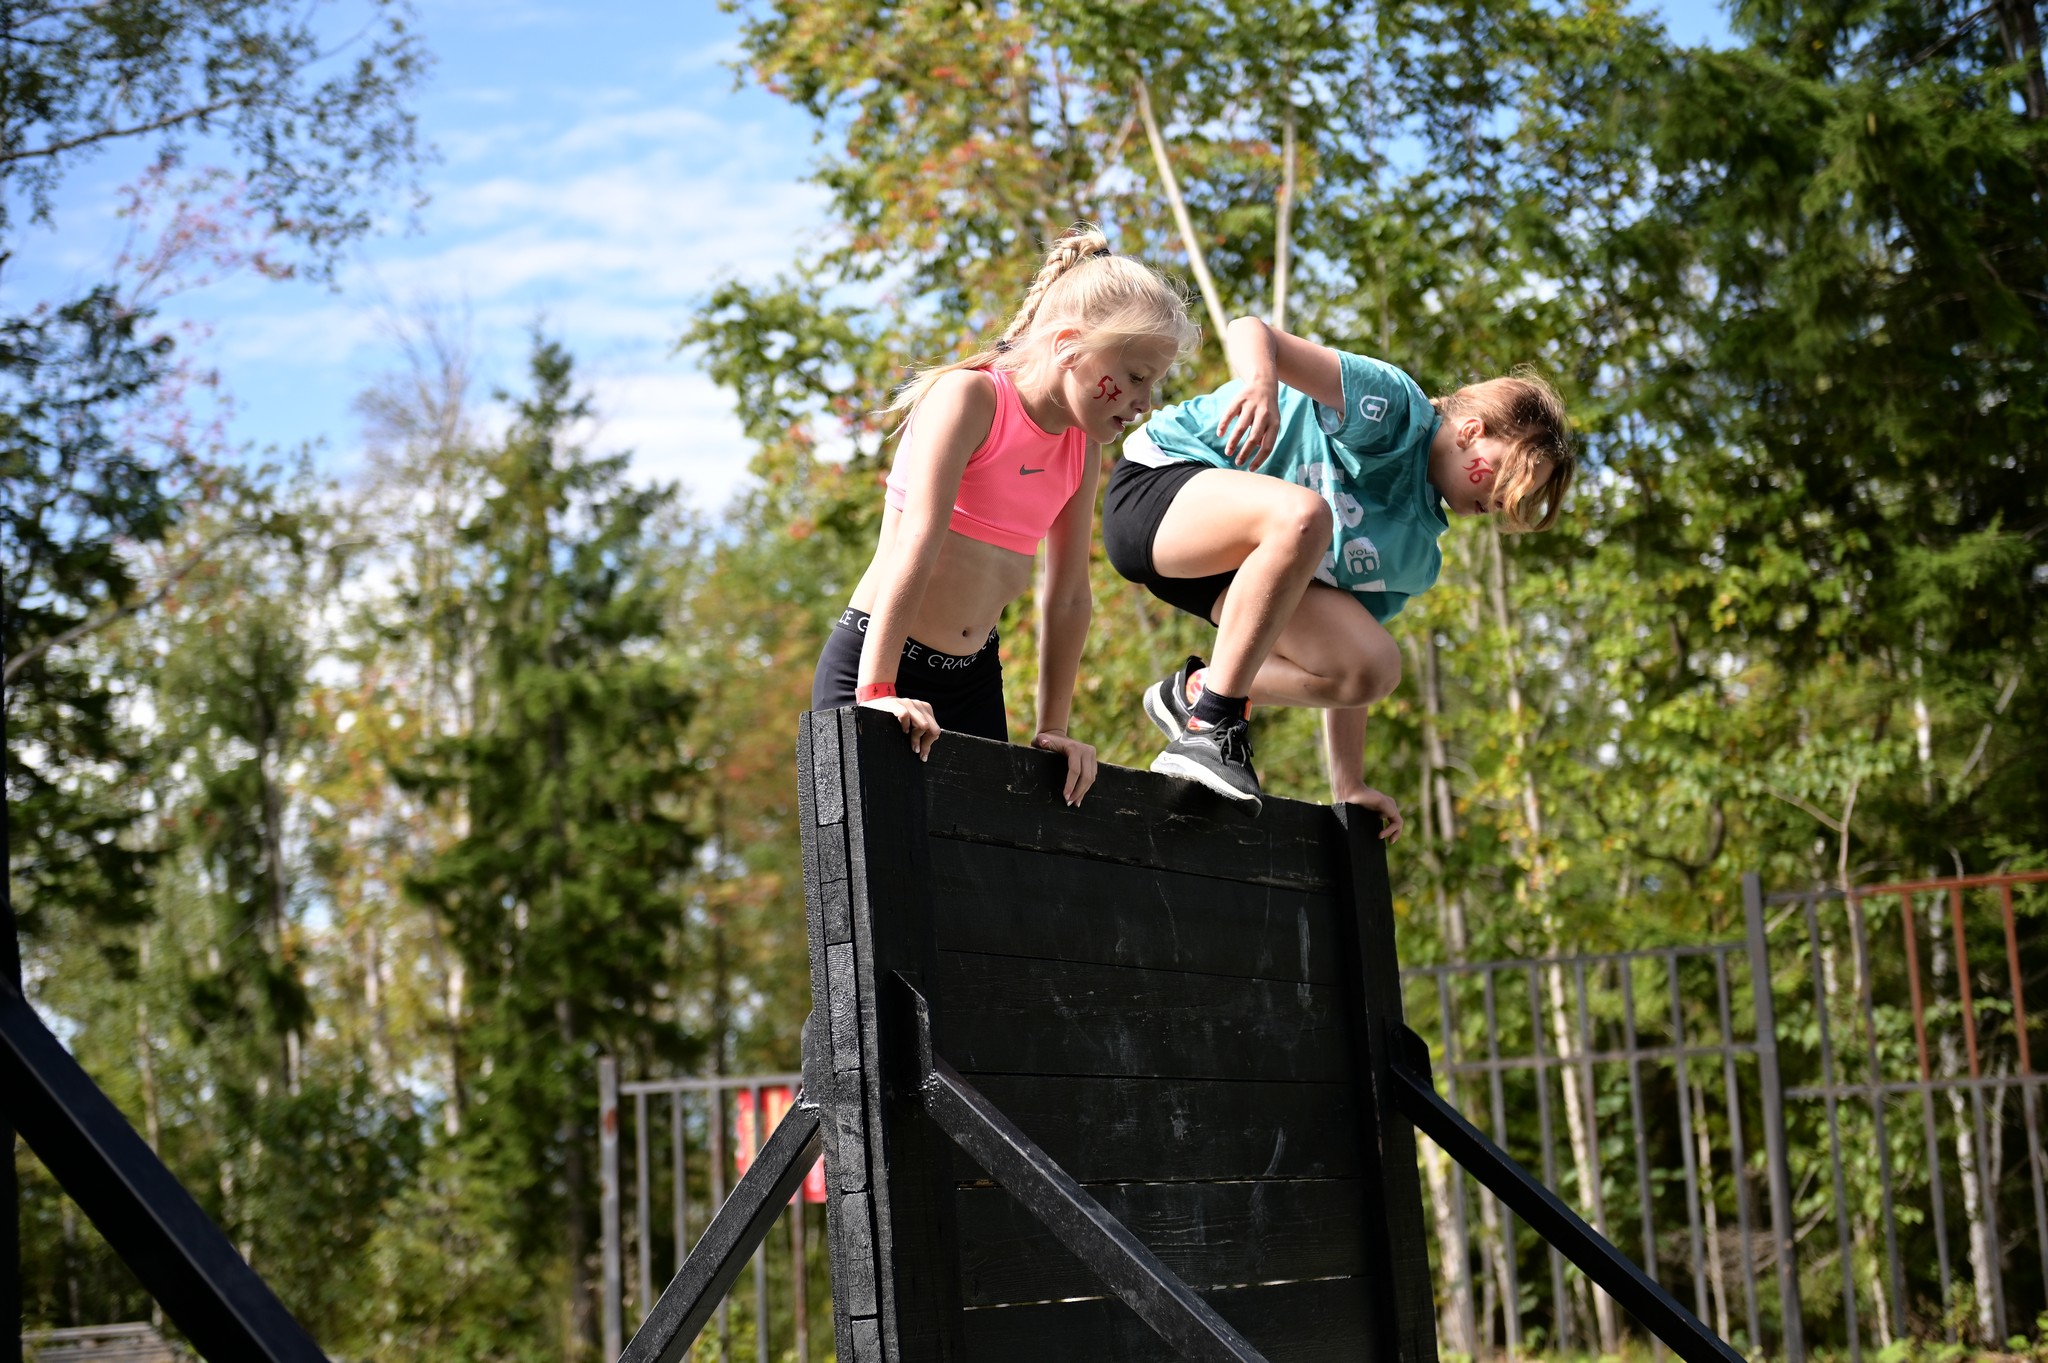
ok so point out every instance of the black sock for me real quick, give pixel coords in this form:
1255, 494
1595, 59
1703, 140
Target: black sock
1211, 708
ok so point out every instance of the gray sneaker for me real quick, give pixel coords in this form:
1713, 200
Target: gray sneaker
1219, 756
1166, 700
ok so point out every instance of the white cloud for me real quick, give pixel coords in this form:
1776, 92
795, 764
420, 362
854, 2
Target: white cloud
602, 208
714, 56
679, 426
662, 124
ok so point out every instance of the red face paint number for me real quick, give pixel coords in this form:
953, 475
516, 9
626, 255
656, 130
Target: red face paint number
1107, 390
1477, 470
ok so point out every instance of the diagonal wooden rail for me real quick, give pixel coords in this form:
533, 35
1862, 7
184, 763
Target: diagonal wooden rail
1617, 1274
138, 1205
729, 1241
1124, 1263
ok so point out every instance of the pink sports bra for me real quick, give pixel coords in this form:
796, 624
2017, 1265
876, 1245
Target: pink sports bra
1018, 481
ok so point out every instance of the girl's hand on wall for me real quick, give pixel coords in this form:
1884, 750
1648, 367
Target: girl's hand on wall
1251, 423
1365, 797
916, 718
1080, 762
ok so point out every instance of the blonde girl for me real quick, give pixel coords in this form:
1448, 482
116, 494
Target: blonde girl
999, 454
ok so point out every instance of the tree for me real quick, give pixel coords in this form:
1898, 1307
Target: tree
71, 494
308, 103
562, 895
1873, 220
319, 131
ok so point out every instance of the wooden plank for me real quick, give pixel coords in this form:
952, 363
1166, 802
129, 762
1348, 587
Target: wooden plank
843, 1005
1011, 902
827, 767
1402, 1306
1115, 1257
853, 1254
998, 793
1127, 1130
735, 1232
817, 1033
909, 1159
1618, 1275
1307, 1322
1210, 1234
1013, 1016
832, 1059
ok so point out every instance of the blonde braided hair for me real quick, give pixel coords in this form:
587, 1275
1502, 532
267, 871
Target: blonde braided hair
1112, 300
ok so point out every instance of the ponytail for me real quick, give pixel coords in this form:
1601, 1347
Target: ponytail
1112, 299
1525, 412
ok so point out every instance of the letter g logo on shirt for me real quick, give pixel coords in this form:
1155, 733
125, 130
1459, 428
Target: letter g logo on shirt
1372, 407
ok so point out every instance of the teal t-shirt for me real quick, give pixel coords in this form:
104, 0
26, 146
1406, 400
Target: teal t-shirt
1370, 462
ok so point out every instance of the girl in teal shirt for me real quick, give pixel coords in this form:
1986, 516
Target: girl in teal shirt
1298, 508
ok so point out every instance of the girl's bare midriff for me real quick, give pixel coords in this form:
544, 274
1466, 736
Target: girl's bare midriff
965, 594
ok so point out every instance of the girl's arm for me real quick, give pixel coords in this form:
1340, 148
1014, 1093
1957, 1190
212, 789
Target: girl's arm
1065, 605
1265, 357
1344, 751
952, 422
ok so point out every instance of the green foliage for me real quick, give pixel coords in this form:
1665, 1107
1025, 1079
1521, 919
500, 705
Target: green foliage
316, 130
561, 894
458, 779
72, 495
1792, 621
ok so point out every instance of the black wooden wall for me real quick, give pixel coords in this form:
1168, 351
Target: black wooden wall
1175, 1001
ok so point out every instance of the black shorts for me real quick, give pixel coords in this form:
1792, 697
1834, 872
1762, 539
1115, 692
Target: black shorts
964, 691
1132, 508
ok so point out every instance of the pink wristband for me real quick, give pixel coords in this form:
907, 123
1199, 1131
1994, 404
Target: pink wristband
874, 691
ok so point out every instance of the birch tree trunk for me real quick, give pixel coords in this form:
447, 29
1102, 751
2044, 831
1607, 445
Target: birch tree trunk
1717, 1276
1578, 1123
1198, 261
1983, 1255
1451, 1250
1283, 214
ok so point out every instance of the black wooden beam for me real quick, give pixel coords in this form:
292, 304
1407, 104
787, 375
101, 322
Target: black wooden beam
1617, 1274
903, 1223
10, 1186
179, 1255
1402, 1297
738, 1229
1126, 1265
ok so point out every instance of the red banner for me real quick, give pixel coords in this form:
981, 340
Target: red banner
746, 1136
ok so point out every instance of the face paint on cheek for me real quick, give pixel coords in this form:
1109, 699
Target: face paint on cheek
1107, 391
1478, 471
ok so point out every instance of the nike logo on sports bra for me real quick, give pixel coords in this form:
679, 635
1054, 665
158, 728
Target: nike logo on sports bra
1021, 470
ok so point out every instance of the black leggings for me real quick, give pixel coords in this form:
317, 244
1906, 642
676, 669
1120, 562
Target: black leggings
965, 693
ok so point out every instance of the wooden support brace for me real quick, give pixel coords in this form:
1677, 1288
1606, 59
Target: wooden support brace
1104, 1244
738, 1229
152, 1222
1617, 1274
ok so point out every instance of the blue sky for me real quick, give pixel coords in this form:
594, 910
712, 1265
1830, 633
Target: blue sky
598, 172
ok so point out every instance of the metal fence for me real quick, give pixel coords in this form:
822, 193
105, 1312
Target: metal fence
1914, 1107
1846, 1158
682, 1143
1825, 1163
1635, 1083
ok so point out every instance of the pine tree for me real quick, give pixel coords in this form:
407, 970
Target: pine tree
563, 893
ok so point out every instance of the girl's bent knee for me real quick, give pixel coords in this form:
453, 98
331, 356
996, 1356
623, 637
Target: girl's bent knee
1286, 507
1302, 521
1370, 680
